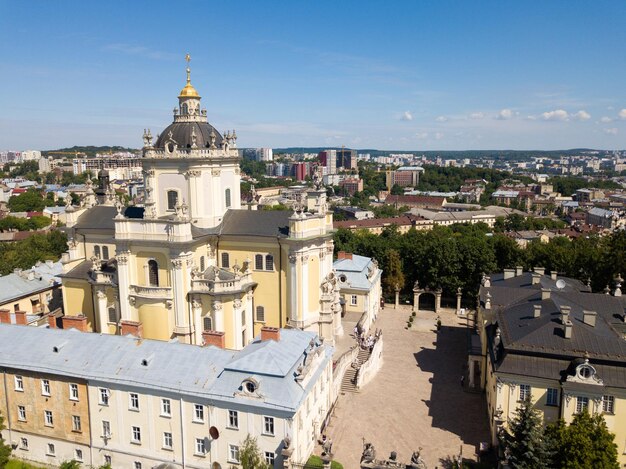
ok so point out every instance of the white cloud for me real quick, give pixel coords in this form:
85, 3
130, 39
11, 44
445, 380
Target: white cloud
421, 135
441, 119
438, 135
407, 116
622, 114
531, 118
606, 120
505, 114
611, 131
581, 116
476, 115
557, 115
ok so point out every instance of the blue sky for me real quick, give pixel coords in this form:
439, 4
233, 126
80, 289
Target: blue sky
404, 75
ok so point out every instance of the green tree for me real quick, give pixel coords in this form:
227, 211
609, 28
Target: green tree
250, 455
5, 450
585, 443
523, 440
73, 464
29, 201
395, 277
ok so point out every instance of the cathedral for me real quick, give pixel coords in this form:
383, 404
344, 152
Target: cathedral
192, 264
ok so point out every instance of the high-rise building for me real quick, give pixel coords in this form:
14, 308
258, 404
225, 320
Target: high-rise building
405, 176
328, 159
264, 154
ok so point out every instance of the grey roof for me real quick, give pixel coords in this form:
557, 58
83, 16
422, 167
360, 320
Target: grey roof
513, 302
356, 272
18, 284
101, 218
181, 134
206, 372
267, 223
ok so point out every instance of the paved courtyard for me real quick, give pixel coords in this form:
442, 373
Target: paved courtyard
416, 398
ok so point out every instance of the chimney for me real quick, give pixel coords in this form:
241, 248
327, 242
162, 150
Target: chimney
539, 270
52, 321
565, 310
536, 278
131, 327
215, 338
589, 318
553, 275
77, 322
545, 293
20, 318
537, 311
344, 255
5, 316
270, 333
567, 329
519, 270
509, 273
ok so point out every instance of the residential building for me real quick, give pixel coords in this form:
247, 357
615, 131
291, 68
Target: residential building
550, 338
405, 176
328, 159
351, 185
416, 201
141, 403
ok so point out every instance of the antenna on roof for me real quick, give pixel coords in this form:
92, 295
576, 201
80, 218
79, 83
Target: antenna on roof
560, 284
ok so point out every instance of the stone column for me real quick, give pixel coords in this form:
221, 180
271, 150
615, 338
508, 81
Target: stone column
458, 300
397, 302
123, 281
196, 314
437, 301
179, 290
218, 315
101, 312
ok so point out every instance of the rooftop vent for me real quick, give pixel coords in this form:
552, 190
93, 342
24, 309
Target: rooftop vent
545, 293
509, 273
565, 310
57, 348
553, 275
537, 311
536, 278
540, 270
567, 329
589, 318
519, 270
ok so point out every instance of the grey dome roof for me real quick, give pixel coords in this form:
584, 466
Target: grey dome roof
181, 133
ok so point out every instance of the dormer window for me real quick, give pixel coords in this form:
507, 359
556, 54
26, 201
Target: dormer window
585, 371
250, 386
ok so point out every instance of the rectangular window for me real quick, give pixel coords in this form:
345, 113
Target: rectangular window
269, 458
166, 408
137, 465
524, 391
200, 448
21, 413
608, 404
19, 383
78, 455
23, 443
133, 401
112, 315
74, 392
260, 313
258, 262
48, 420
172, 199
552, 397
167, 440
582, 404
106, 429
76, 423
225, 260
136, 435
268, 425
50, 449
107, 459
233, 453
269, 262
233, 419
45, 387
104, 396
353, 300
198, 413
208, 323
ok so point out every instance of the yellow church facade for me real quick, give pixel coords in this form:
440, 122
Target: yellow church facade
192, 259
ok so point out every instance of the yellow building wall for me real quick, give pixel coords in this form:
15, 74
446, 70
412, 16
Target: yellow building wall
141, 258
78, 299
360, 302
313, 283
155, 319
59, 403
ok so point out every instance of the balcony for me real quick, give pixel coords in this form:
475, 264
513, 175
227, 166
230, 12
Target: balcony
159, 293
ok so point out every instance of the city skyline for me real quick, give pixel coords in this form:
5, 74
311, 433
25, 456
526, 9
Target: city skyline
408, 77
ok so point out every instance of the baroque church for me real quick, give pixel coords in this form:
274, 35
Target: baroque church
191, 263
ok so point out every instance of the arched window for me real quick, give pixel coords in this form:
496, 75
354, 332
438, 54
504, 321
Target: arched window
105, 252
227, 197
260, 314
172, 199
225, 260
153, 273
243, 317
258, 262
207, 323
202, 266
96, 251
269, 262
184, 109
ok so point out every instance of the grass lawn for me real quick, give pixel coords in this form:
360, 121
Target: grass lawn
17, 464
317, 461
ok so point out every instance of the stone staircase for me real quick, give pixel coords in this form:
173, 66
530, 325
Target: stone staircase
348, 382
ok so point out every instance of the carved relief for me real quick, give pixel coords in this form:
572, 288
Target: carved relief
101, 294
217, 305
122, 258
293, 258
178, 263
216, 172
237, 303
